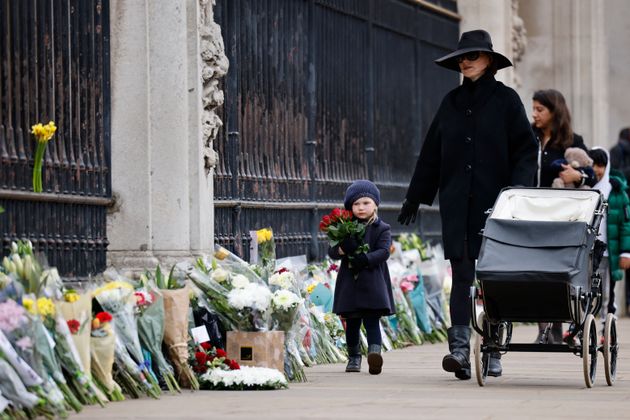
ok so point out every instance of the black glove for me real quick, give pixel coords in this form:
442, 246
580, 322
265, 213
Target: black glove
349, 245
359, 262
408, 212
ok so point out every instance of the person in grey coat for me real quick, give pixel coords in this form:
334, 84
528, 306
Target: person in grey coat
479, 142
363, 290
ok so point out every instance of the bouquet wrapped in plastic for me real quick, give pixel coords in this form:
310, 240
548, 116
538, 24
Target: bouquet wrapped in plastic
284, 305
117, 298
263, 250
151, 332
77, 310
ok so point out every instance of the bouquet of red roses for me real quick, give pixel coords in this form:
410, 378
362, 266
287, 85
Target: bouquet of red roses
340, 225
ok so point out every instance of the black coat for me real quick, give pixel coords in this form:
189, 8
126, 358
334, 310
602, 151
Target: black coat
620, 157
479, 142
370, 294
550, 154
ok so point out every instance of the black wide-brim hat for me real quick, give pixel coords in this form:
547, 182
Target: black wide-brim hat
477, 40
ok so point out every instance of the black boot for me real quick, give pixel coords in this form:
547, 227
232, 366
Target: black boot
354, 359
541, 331
374, 359
555, 335
459, 347
494, 364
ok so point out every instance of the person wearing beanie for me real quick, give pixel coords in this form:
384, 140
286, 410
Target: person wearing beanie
479, 142
363, 291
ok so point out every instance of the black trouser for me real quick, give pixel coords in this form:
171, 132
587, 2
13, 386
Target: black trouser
372, 329
463, 277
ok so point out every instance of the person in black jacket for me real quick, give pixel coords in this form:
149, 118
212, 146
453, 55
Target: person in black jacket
479, 142
363, 290
552, 127
620, 153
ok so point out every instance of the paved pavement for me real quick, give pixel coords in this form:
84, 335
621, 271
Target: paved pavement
412, 385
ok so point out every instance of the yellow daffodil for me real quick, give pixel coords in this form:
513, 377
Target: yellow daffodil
45, 307
71, 296
29, 305
264, 235
43, 133
113, 285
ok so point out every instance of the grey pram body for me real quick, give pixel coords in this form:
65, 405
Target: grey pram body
539, 262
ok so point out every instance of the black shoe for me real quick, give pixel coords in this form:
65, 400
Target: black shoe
494, 365
354, 359
374, 359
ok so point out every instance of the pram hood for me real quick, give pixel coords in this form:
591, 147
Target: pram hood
539, 231
537, 242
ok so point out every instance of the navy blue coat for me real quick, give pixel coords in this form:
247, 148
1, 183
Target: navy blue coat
371, 293
479, 142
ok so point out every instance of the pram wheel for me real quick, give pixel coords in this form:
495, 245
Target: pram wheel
482, 358
589, 350
611, 347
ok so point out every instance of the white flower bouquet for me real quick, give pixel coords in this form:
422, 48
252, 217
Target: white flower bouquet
244, 379
252, 303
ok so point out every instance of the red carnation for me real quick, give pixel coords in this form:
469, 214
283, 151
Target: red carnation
206, 345
221, 353
233, 365
104, 317
74, 326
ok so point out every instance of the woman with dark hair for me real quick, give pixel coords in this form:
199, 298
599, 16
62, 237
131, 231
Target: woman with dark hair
552, 127
479, 142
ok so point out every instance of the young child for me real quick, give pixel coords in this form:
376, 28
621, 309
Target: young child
615, 228
367, 297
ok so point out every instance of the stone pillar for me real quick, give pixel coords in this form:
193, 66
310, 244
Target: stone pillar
495, 17
161, 145
566, 51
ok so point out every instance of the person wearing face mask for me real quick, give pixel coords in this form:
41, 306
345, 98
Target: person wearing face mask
479, 142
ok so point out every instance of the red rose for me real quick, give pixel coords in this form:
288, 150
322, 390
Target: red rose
323, 227
104, 317
206, 345
201, 358
221, 353
326, 220
233, 365
347, 214
74, 326
282, 270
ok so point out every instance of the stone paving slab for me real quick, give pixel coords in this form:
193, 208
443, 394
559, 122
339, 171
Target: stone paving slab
413, 385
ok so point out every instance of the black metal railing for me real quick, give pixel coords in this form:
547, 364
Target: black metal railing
55, 66
319, 93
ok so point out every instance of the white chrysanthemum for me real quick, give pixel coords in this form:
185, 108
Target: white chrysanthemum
284, 280
220, 275
254, 296
248, 376
284, 299
239, 281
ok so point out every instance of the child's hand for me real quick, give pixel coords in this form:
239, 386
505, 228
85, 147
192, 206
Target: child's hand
349, 245
569, 174
624, 263
360, 261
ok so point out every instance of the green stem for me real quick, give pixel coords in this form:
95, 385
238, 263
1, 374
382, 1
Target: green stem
37, 167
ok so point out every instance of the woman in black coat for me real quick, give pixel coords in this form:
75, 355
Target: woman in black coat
479, 142
363, 290
552, 127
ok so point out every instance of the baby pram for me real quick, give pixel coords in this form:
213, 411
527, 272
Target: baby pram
538, 263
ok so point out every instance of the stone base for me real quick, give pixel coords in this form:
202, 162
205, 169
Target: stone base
139, 261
